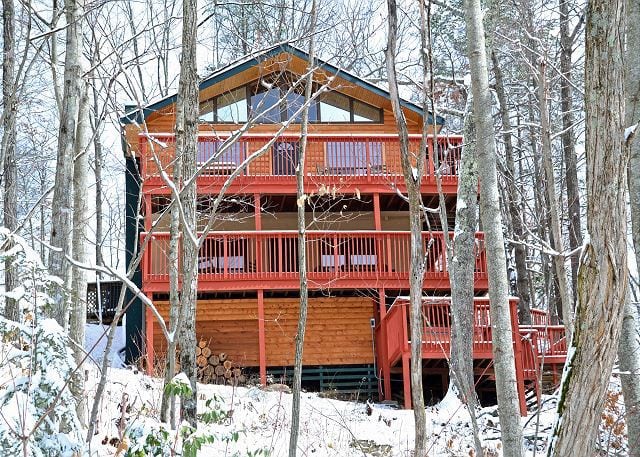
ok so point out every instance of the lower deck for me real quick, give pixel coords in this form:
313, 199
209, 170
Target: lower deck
347, 333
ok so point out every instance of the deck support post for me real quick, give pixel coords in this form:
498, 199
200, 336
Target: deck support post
383, 356
406, 380
376, 212
262, 351
148, 330
518, 355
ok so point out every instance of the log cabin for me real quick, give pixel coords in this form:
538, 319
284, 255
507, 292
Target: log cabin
357, 233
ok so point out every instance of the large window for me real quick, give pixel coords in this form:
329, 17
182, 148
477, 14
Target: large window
353, 158
268, 102
225, 163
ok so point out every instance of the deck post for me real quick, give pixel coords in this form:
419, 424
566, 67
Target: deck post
518, 355
261, 339
376, 212
406, 380
149, 340
383, 358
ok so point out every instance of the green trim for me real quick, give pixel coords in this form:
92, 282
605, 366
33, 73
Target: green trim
139, 115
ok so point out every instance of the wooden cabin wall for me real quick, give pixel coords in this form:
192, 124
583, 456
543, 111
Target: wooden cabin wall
338, 331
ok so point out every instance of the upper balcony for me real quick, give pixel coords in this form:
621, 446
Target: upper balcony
346, 163
335, 260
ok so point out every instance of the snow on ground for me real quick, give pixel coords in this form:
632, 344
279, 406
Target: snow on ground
332, 427
96, 342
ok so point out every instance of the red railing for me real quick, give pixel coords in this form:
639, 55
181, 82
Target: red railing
530, 353
273, 255
333, 158
436, 338
551, 342
539, 317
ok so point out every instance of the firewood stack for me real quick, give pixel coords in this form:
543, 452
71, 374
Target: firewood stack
217, 368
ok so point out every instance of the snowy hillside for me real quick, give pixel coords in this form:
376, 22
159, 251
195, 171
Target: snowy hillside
328, 427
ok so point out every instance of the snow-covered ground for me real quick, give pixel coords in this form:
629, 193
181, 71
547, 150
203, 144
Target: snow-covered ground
332, 427
96, 342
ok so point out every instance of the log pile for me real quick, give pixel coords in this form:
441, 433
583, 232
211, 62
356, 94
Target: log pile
216, 368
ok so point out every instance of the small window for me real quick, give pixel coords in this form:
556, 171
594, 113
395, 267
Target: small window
365, 113
232, 106
334, 107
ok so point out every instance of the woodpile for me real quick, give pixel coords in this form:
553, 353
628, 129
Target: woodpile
216, 368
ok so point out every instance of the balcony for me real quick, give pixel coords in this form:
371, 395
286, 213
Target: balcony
534, 346
349, 162
364, 259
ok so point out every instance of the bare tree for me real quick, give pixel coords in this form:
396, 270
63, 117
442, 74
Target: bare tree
565, 296
513, 200
502, 336
603, 275
412, 177
80, 251
567, 39
187, 110
629, 347
62, 206
8, 152
302, 249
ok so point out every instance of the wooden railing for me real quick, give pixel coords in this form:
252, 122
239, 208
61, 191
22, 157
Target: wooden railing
329, 158
538, 343
436, 331
273, 255
539, 317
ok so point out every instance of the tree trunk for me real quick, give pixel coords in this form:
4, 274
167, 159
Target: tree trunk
568, 143
504, 362
302, 251
412, 178
462, 266
8, 152
81, 221
186, 145
61, 208
603, 275
629, 358
566, 302
513, 202
629, 348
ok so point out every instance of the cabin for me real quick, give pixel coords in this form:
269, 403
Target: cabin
357, 234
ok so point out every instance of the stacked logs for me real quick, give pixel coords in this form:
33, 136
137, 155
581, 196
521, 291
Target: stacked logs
217, 368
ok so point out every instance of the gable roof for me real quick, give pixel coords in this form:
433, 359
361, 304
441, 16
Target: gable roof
140, 114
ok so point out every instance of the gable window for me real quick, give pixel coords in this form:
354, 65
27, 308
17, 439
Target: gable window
365, 113
334, 107
232, 106
269, 103
265, 105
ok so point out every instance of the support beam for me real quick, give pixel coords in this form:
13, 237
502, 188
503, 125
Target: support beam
376, 212
261, 339
406, 380
383, 356
149, 318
